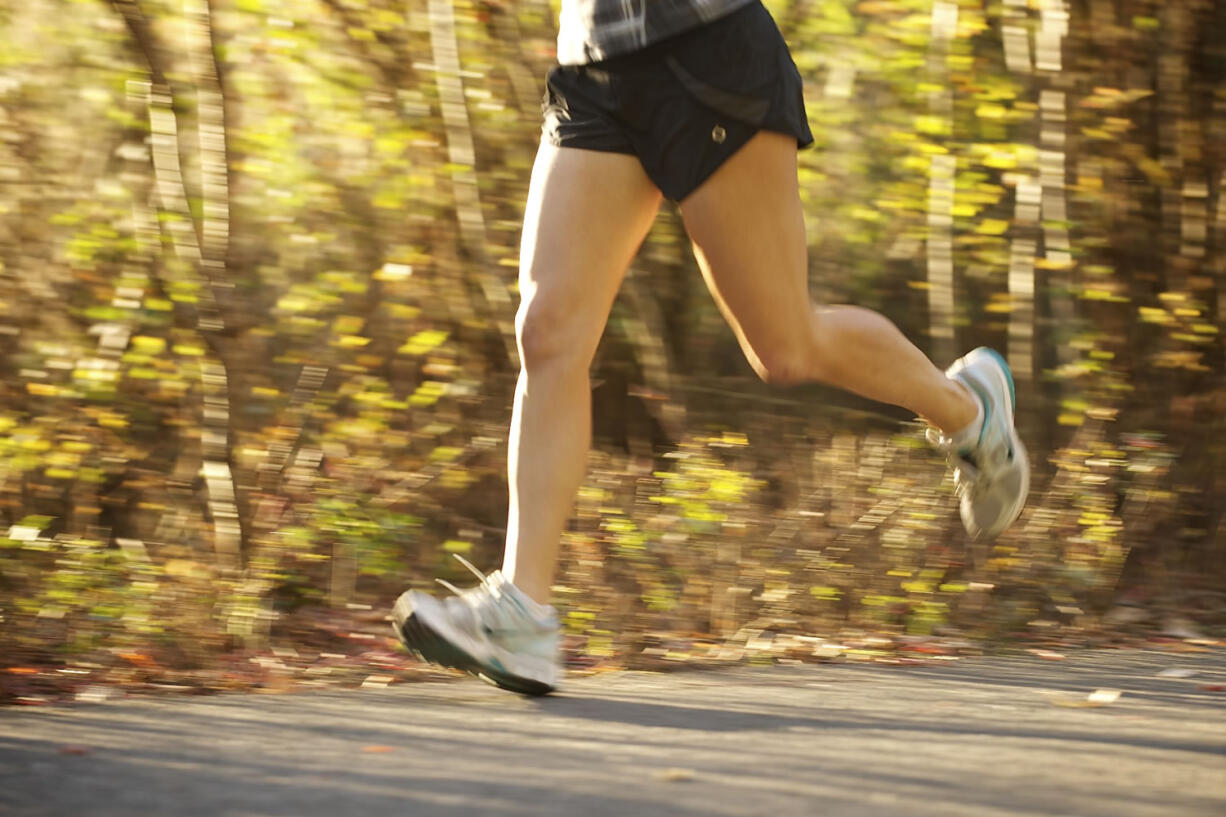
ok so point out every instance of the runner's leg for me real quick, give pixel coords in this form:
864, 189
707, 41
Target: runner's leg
749, 237
587, 214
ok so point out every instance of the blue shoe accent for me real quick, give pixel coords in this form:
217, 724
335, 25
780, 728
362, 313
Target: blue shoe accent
985, 400
1008, 375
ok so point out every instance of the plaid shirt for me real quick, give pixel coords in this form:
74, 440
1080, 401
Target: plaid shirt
593, 30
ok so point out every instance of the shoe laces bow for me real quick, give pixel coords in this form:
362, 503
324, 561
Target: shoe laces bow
484, 601
967, 481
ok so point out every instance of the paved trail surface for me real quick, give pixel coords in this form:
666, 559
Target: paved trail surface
981, 737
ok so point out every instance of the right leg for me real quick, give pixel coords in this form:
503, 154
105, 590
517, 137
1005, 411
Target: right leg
586, 216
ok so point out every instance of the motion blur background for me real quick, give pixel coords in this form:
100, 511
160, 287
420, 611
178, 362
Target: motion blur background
257, 265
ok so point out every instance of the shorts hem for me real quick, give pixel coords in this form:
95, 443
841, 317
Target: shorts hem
571, 144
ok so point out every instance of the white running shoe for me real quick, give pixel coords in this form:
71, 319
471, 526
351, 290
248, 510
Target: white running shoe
492, 631
991, 473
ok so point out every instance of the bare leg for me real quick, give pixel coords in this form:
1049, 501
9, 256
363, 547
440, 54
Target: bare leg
749, 238
586, 216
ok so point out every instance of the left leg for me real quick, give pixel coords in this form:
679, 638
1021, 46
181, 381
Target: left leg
749, 238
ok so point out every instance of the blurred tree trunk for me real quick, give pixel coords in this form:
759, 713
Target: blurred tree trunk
1027, 194
462, 157
941, 185
1053, 175
201, 247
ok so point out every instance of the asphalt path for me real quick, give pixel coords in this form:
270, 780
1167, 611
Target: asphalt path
982, 737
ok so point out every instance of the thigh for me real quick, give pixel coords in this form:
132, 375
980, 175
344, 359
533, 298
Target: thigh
586, 215
749, 238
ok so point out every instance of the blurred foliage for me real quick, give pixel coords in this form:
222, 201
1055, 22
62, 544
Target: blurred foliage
258, 263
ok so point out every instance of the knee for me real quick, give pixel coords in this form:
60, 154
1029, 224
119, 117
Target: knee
546, 338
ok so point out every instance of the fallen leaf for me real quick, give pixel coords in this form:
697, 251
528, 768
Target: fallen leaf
1047, 655
138, 658
376, 749
675, 775
1105, 696
927, 649
1178, 646
1099, 697
1213, 687
1177, 672
97, 694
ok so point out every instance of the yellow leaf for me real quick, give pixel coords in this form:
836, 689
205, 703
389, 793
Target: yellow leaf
1000, 160
112, 421
933, 125
423, 342
445, 453
148, 345
992, 226
394, 272
294, 303
187, 569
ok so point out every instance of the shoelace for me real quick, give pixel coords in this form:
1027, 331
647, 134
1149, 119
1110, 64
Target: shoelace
966, 475
481, 577
483, 600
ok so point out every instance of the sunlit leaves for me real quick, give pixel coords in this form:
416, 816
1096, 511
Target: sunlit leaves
347, 256
423, 342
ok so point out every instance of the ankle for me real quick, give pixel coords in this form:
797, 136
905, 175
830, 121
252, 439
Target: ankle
537, 596
966, 436
536, 591
964, 410
537, 607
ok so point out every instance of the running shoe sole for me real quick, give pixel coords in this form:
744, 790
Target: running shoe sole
422, 640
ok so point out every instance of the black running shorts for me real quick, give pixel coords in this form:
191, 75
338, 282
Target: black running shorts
682, 105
